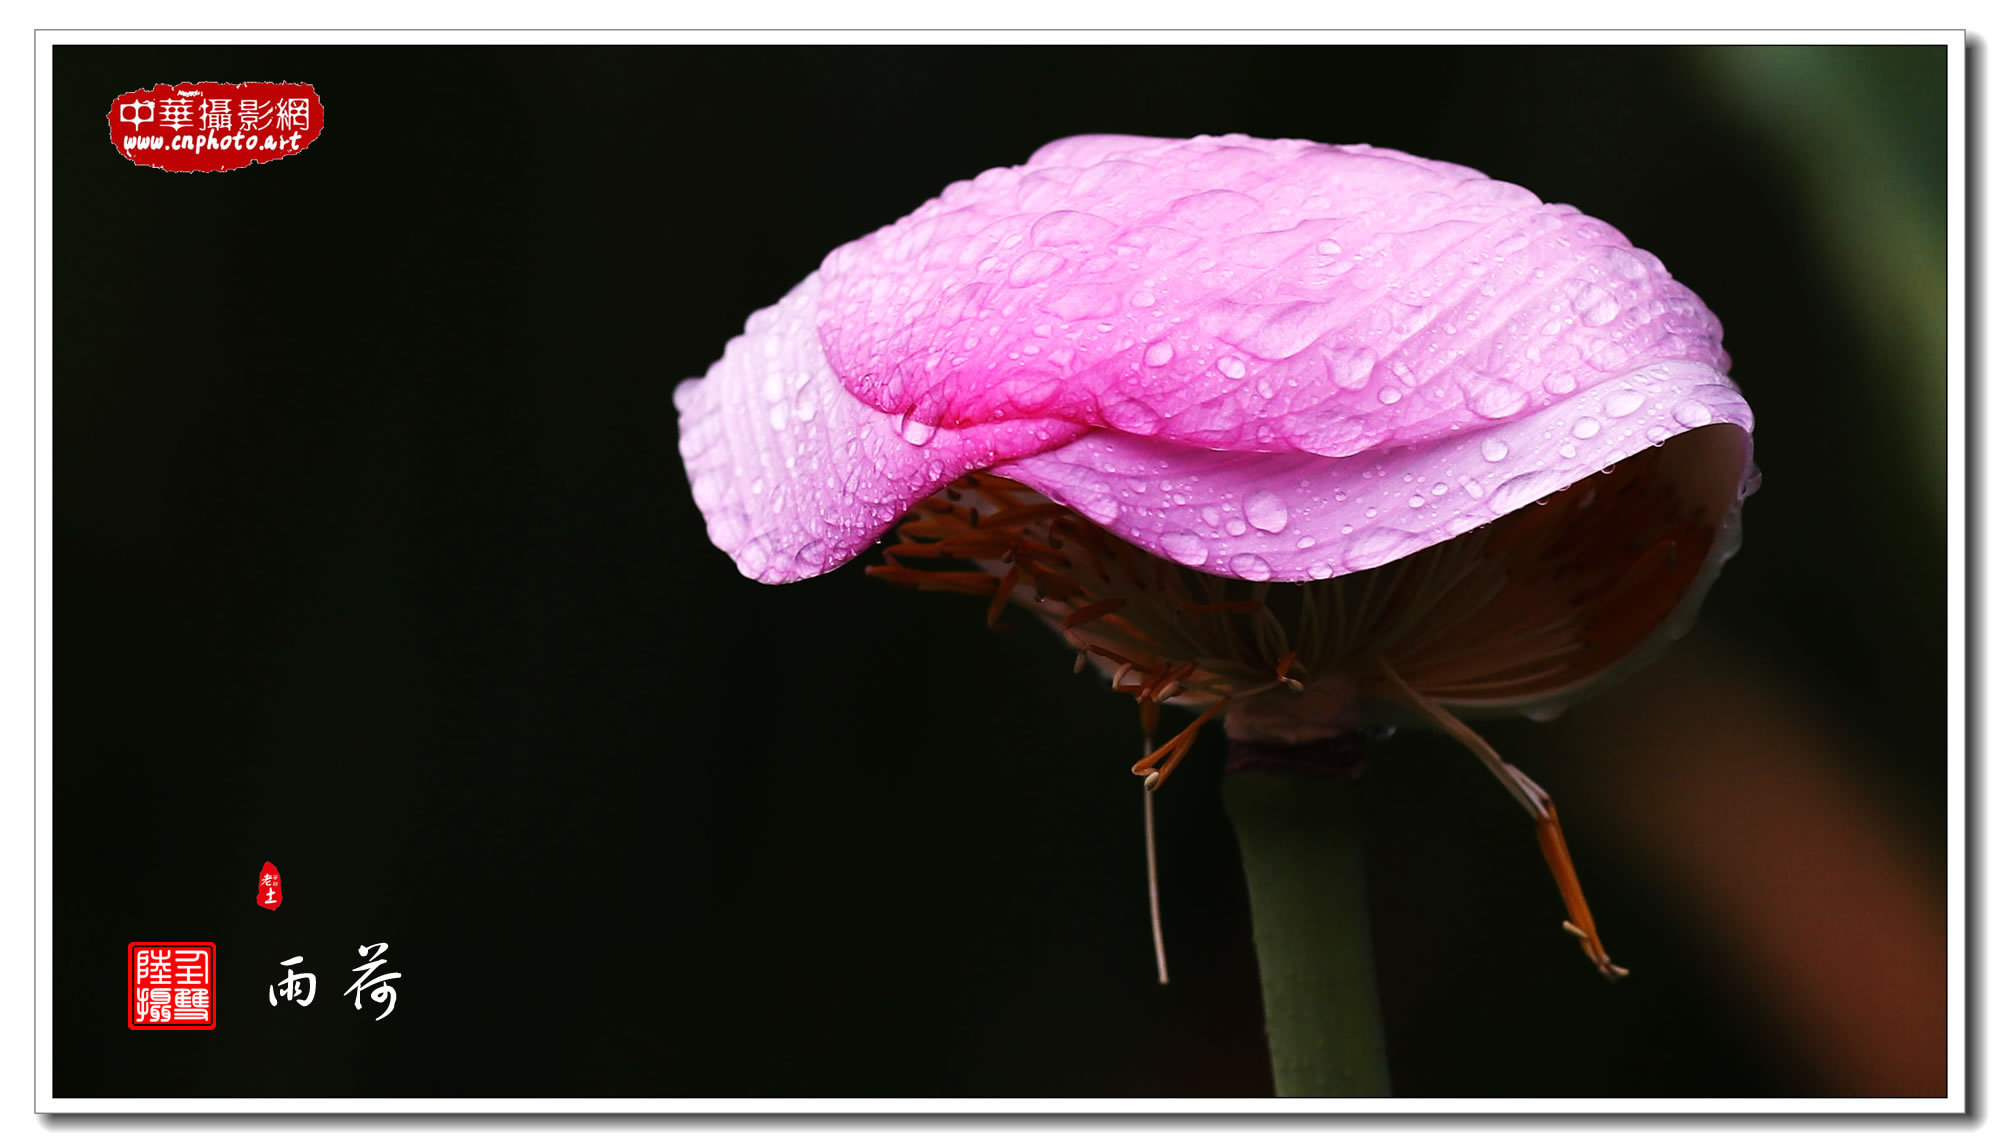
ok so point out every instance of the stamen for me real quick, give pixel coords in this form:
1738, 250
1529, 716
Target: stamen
1155, 770
1152, 860
1548, 831
1001, 595
1285, 673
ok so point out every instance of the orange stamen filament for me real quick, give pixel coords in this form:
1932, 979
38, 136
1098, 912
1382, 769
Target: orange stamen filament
1548, 830
1154, 769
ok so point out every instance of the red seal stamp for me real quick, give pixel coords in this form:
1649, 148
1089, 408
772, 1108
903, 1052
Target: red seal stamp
170, 984
214, 126
270, 887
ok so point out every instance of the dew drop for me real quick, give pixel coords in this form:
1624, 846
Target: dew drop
1657, 434
1235, 527
1231, 368
1563, 383
1472, 487
1159, 353
1390, 395
1567, 450
1623, 402
1416, 501
915, 431
1494, 451
1498, 399
1251, 566
1440, 488
1184, 548
1596, 307
1328, 247
1693, 414
1266, 510
1306, 542
1133, 416
1585, 428
1380, 545
1144, 299
1034, 266
1516, 493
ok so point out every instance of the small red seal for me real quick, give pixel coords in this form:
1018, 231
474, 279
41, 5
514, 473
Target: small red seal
169, 984
270, 888
214, 126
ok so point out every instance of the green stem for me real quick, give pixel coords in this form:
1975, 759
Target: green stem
1299, 831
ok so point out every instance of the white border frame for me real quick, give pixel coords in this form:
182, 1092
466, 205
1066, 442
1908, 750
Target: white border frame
1956, 464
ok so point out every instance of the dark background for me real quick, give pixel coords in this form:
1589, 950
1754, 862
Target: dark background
375, 559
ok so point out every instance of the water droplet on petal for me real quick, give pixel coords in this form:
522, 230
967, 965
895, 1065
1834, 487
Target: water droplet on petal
1515, 493
1440, 488
1498, 399
1389, 395
1235, 527
1562, 383
1585, 428
1693, 414
1250, 565
1144, 299
1623, 402
1184, 548
1267, 511
1472, 487
1380, 545
914, 431
1494, 451
1133, 416
1596, 307
1568, 451
1159, 353
1231, 368
780, 417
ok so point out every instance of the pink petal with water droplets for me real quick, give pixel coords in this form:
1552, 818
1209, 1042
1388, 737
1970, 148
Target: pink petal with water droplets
1247, 311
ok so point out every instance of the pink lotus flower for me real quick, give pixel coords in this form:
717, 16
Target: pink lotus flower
1268, 362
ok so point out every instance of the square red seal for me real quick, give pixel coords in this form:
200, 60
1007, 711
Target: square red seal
170, 984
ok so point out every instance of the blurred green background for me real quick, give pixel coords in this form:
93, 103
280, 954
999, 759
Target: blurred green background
376, 561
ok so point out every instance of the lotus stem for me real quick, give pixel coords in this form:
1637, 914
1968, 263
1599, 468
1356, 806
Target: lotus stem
1296, 813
